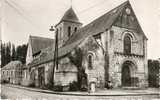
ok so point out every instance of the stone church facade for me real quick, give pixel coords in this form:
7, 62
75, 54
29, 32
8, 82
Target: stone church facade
111, 48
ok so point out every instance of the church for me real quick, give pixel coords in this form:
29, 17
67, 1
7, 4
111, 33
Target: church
112, 48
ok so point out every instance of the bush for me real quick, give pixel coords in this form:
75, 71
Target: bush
109, 85
58, 88
4, 81
31, 85
153, 71
49, 86
73, 86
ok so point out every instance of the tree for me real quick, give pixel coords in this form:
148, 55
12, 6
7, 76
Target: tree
21, 52
8, 53
3, 55
153, 71
13, 52
76, 59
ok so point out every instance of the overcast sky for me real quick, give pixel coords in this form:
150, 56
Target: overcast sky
21, 18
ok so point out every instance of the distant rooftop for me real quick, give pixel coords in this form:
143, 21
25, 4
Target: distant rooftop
12, 65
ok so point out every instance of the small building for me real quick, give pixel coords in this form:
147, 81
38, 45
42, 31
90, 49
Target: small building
35, 45
12, 72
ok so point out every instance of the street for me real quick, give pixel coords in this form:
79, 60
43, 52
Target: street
22, 94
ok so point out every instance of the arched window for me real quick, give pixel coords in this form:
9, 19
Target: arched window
90, 61
75, 29
69, 31
127, 44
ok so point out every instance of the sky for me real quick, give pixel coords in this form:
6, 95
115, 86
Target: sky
21, 18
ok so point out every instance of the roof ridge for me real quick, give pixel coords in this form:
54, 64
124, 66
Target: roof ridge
124, 3
31, 36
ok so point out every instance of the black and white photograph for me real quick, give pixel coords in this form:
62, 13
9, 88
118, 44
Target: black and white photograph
79, 50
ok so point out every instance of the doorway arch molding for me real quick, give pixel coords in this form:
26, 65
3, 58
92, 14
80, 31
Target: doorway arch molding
128, 73
133, 67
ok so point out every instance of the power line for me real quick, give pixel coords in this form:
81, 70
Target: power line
19, 8
18, 11
21, 12
91, 7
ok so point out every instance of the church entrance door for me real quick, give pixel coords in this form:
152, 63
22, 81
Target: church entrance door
126, 74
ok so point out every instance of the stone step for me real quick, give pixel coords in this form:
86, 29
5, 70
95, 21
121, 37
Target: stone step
131, 88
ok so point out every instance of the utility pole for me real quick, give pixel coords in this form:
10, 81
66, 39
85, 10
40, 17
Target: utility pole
56, 50
55, 58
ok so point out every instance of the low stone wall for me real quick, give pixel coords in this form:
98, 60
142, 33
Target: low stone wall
64, 79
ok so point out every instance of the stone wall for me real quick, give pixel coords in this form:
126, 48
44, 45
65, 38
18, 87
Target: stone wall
25, 77
117, 58
11, 75
63, 30
65, 73
116, 69
117, 40
96, 74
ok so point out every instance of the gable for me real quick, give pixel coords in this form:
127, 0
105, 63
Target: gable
127, 19
29, 56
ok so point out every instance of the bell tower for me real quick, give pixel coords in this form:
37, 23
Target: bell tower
67, 26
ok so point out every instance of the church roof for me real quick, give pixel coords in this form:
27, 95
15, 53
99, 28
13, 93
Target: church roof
38, 43
70, 15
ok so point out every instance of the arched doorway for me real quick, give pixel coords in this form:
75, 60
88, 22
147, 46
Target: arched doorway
128, 71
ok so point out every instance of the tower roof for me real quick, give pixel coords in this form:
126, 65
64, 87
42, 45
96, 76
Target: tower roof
70, 15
